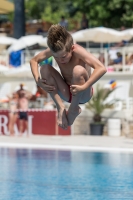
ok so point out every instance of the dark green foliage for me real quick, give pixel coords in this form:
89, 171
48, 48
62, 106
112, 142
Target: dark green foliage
114, 13
98, 102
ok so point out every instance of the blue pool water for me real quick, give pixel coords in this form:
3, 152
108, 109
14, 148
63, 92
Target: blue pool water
65, 175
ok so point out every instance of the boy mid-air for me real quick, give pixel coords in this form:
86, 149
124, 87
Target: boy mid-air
74, 85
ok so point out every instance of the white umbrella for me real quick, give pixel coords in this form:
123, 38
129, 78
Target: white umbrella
79, 36
128, 32
43, 42
24, 42
7, 40
101, 35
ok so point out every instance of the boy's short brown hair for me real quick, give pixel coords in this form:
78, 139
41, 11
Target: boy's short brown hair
59, 39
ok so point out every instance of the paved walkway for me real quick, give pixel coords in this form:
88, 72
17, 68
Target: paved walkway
77, 142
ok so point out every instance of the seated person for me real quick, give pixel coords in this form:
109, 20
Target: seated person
130, 60
119, 59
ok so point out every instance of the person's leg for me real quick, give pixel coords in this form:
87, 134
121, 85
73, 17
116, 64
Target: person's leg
20, 123
26, 123
53, 78
26, 127
15, 116
80, 76
20, 126
11, 124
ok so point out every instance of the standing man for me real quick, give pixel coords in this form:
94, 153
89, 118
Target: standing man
24, 97
64, 22
21, 89
84, 22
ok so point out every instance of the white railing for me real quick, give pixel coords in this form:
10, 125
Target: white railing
28, 54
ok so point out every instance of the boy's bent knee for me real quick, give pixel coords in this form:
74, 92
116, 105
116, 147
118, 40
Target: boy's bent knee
79, 74
79, 70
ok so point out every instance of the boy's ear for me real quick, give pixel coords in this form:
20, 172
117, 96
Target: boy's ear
72, 47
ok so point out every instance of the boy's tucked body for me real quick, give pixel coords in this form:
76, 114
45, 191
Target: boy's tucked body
75, 84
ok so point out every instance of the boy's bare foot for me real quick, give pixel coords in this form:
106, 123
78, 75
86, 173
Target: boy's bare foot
72, 114
62, 119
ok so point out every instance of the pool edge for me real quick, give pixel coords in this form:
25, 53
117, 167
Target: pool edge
64, 147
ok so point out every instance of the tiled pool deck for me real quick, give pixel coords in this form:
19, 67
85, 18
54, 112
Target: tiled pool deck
75, 142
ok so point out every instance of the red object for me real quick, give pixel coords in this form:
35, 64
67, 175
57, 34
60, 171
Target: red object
70, 94
38, 94
64, 132
40, 122
43, 122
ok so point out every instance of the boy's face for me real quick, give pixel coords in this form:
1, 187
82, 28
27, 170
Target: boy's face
63, 57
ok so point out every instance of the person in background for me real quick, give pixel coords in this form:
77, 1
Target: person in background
40, 31
13, 112
119, 58
130, 60
21, 89
101, 58
40, 92
84, 22
64, 22
24, 97
112, 55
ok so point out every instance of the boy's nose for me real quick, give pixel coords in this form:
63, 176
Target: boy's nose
62, 59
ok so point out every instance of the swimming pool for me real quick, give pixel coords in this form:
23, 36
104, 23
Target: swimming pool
65, 175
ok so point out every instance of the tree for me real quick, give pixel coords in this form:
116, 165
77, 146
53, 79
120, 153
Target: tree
114, 14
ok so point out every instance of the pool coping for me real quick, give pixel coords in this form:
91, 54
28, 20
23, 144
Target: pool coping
65, 147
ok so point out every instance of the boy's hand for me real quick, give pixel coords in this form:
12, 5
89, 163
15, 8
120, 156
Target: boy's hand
75, 89
42, 84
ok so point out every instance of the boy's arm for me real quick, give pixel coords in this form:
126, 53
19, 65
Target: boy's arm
36, 60
89, 59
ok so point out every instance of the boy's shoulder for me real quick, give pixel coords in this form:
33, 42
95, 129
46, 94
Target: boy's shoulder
78, 50
77, 47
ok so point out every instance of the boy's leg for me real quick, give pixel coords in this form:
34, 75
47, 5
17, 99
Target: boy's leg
80, 76
53, 78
